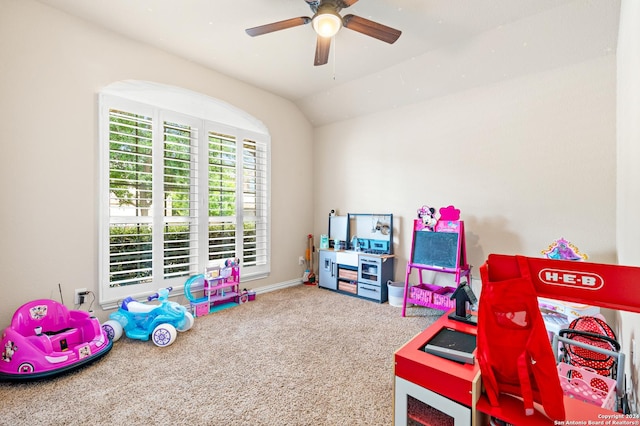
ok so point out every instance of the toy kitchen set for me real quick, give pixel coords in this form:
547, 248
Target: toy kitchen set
356, 257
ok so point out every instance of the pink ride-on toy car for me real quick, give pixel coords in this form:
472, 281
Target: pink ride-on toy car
144, 321
46, 339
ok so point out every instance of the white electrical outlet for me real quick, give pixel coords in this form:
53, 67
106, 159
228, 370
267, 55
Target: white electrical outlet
301, 260
78, 294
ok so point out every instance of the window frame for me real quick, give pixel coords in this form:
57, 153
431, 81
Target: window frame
109, 296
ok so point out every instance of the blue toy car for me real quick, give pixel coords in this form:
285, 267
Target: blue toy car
143, 321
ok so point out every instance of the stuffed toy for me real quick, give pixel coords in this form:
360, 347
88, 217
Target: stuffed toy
562, 249
428, 216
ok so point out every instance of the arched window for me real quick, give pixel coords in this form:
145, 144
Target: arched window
184, 184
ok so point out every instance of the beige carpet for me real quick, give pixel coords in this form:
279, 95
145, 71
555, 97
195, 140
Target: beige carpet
298, 356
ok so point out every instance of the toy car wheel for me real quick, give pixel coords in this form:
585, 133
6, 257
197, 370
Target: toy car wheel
164, 335
26, 367
188, 322
113, 329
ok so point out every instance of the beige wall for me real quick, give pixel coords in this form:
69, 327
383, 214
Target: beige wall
527, 161
628, 172
51, 68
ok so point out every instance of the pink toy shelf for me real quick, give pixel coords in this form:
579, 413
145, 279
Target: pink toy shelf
220, 287
223, 291
439, 248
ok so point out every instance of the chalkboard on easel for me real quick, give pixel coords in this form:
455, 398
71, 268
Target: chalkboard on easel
439, 249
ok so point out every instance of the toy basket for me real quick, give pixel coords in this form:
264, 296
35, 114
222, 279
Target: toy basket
422, 293
588, 386
432, 296
442, 297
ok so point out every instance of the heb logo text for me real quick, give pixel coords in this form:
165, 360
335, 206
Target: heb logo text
583, 280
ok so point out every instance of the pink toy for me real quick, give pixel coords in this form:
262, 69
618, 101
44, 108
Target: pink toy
231, 262
449, 220
428, 216
562, 249
449, 213
220, 288
46, 339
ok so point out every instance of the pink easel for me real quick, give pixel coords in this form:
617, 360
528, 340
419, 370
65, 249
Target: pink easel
426, 243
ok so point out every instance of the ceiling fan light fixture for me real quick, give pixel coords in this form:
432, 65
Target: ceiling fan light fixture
327, 24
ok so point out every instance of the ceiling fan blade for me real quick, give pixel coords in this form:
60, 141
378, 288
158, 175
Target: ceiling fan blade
323, 44
371, 28
346, 3
277, 26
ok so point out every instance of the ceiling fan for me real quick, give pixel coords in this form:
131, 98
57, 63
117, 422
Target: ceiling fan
326, 21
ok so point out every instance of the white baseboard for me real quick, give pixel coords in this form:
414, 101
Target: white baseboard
278, 286
266, 289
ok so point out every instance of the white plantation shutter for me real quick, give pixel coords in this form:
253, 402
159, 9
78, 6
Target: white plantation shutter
223, 196
178, 194
130, 196
180, 199
254, 196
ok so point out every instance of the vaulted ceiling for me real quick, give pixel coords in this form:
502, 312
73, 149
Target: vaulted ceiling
446, 45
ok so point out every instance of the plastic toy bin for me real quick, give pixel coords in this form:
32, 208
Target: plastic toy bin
200, 308
587, 385
395, 291
422, 292
442, 297
432, 296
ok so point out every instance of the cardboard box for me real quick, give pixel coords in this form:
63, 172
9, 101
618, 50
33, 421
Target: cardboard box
554, 322
348, 287
348, 274
570, 310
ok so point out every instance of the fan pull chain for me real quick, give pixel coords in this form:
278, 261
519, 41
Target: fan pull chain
333, 52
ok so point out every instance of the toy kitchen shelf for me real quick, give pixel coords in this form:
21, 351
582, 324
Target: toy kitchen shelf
455, 389
356, 273
365, 268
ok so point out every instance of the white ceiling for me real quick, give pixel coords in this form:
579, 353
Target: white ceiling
445, 46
